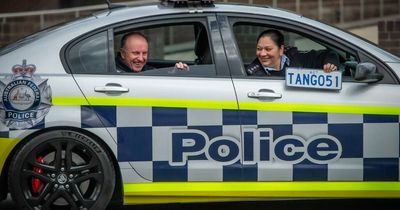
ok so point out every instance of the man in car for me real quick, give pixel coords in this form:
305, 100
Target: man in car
134, 53
132, 56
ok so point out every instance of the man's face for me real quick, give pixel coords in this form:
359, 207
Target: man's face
134, 53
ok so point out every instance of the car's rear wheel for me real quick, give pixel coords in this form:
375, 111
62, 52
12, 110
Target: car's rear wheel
61, 169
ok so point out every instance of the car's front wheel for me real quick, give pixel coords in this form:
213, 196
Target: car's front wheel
61, 169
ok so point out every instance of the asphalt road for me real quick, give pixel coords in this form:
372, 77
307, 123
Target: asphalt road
340, 204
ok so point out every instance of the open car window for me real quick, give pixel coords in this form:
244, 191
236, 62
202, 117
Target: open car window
171, 43
246, 37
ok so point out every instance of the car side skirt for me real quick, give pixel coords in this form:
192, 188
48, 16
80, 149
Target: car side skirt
186, 192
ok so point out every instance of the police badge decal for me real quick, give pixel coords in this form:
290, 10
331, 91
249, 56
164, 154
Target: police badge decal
26, 98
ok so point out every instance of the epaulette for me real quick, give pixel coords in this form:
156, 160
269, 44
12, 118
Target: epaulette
253, 68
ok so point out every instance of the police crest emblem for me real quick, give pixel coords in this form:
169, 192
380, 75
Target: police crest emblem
26, 98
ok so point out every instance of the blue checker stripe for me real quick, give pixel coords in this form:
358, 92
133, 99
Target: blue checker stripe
162, 171
309, 118
351, 138
279, 130
135, 144
4, 134
211, 130
98, 116
232, 172
169, 116
250, 173
248, 117
371, 118
230, 117
308, 171
381, 169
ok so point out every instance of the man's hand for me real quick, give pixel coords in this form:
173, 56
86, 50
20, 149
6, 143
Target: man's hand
181, 66
329, 67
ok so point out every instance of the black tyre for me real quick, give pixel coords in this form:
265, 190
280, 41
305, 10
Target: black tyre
61, 170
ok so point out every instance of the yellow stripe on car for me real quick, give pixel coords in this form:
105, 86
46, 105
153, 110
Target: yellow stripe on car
6, 145
210, 104
168, 192
329, 108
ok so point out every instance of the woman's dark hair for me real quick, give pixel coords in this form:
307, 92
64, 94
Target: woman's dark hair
125, 37
275, 35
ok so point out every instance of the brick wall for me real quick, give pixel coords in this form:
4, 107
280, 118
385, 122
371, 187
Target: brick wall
331, 11
34, 5
389, 36
14, 28
28, 5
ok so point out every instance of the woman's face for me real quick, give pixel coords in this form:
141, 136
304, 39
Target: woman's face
269, 53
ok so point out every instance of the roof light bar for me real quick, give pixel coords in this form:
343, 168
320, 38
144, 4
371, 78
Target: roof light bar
187, 3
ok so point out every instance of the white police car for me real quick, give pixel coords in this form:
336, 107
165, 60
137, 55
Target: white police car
77, 133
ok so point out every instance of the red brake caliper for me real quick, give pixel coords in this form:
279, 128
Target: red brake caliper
36, 183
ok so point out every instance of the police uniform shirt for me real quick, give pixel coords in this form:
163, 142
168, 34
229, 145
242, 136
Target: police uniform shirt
257, 69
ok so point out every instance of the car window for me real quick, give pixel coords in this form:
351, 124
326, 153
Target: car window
169, 44
246, 38
89, 55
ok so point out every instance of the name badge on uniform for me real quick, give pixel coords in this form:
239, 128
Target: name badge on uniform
313, 78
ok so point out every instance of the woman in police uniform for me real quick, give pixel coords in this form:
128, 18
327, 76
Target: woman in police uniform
272, 59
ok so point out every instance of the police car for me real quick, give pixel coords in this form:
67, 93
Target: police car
77, 133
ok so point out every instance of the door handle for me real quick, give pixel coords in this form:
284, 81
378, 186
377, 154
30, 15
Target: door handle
264, 93
111, 88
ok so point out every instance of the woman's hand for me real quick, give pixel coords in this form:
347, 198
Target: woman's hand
329, 67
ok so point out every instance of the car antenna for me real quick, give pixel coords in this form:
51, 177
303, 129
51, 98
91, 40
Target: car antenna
113, 6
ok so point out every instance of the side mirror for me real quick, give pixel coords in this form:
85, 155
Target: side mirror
366, 72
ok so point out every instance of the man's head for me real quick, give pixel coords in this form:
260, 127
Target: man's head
134, 50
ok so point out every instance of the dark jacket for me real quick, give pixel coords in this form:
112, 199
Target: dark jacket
312, 59
122, 67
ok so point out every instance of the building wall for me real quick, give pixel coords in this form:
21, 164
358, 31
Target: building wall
34, 5
14, 28
389, 35
27, 5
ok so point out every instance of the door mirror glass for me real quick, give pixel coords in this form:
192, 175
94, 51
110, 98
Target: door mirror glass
366, 72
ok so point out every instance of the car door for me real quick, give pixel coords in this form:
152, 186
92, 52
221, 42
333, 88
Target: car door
302, 134
169, 124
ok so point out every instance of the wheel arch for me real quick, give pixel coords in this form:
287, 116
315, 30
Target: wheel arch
117, 197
